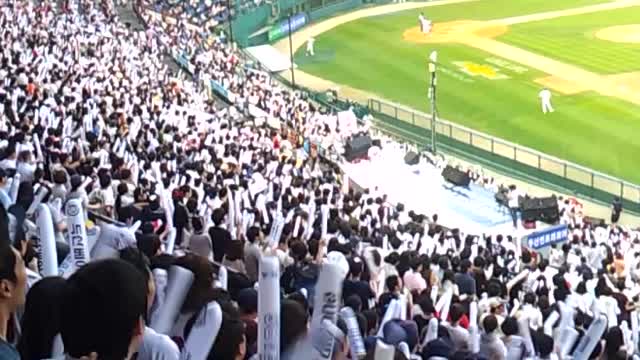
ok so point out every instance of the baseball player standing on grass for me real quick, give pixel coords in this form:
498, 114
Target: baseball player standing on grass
425, 25
545, 98
310, 43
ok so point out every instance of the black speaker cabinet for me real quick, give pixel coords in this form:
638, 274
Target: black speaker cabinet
411, 158
357, 147
542, 209
455, 176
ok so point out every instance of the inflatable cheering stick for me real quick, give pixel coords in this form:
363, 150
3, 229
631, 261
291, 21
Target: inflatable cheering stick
13, 190
180, 280
269, 309
388, 315
77, 233
591, 338
358, 351
40, 194
203, 334
48, 259
160, 278
635, 330
171, 241
474, 331
327, 297
112, 239
223, 277
384, 351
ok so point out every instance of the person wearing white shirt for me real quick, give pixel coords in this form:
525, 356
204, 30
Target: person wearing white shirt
545, 98
513, 204
424, 23
310, 49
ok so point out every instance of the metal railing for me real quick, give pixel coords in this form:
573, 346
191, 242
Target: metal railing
506, 157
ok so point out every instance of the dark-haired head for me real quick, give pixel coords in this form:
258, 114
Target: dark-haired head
201, 291
41, 319
230, 342
103, 310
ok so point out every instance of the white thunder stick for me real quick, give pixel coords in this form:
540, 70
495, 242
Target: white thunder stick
388, 315
160, 278
432, 332
324, 213
223, 277
36, 144
40, 194
356, 344
327, 297
269, 308
180, 280
402, 301
474, 331
171, 240
591, 338
276, 230
634, 329
626, 336
384, 351
13, 190
77, 233
443, 304
567, 334
203, 334
548, 325
48, 259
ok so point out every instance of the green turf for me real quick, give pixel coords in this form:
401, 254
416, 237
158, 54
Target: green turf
572, 39
587, 129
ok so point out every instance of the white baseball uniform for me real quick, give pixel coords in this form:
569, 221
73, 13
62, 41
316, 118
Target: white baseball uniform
425, 25
310, 43
545, 98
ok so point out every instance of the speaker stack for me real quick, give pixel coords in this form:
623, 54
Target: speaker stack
542, 209
412, 158
357, 147
455, 176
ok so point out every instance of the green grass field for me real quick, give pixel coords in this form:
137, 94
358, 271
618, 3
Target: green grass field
587, 128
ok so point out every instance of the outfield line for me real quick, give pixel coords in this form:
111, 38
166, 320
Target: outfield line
567, 12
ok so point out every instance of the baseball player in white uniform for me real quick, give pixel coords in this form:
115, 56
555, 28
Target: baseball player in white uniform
310, 42
545, 98
425, 25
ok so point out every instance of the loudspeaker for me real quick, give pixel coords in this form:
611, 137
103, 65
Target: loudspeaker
594, 221
543, 209
411, 158
357, 147
456, 176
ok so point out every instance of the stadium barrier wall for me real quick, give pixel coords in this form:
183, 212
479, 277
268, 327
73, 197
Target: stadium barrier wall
251, 23
504, 157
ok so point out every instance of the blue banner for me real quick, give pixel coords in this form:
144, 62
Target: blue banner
183, 61
217, 88
281, 29
547, 237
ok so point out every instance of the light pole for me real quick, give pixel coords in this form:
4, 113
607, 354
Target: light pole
230, 21
433, 61
293, 75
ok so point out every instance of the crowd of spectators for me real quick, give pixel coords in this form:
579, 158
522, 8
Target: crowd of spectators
206, 191
202, 13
